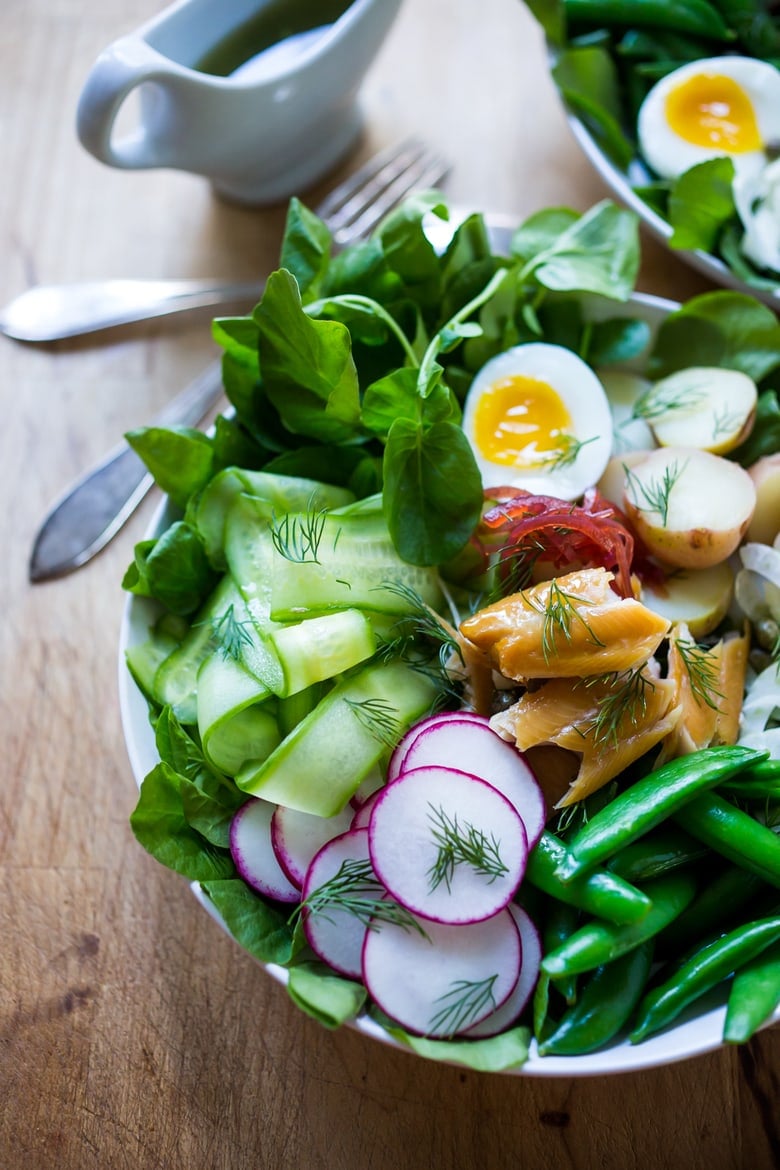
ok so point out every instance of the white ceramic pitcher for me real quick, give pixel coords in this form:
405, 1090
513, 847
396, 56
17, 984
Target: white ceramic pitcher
268, 129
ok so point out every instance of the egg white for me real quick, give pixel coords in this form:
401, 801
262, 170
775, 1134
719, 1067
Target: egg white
670, 155
584, 398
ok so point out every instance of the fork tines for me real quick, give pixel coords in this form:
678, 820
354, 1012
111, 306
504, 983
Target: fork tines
358, 204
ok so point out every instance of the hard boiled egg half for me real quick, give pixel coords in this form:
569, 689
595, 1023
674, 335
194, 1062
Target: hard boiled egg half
709, 108
537, 418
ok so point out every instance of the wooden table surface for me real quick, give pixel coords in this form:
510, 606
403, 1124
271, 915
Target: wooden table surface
133, 1033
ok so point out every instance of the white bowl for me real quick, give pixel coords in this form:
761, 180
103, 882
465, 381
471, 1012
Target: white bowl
697, 1032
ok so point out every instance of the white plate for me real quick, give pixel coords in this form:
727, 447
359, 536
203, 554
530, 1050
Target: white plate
622, 183
697, 1033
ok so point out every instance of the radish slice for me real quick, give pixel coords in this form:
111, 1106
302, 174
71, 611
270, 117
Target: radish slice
296, 837
447, 845
531, 954
396, 764
474, 747
363, 815
253, 852
445, 981
336, 934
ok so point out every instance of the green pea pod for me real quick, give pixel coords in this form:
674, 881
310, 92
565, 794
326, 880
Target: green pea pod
693, 16
560, 923
605, 1005
717, 902
704, 970
757, 783
649, 802
598, 943
734, 834
662, 851
754, 996
601, 893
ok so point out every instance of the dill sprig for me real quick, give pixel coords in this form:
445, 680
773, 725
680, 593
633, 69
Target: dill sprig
462, 845
424, 621
297, 536
702, 672
660, 400
228, 634
355, 889
564, 455
725, 422
626, 699
559, 612
655, 492
463, 1004
379, 718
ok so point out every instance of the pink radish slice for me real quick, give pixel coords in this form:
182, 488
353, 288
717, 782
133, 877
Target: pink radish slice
363, 815
474, 747
297, 836
424, 814
335, 934
396, 764
253, 852
445, 981
531, 956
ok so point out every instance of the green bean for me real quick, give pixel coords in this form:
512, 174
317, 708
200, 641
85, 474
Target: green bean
650, 801
719, 899
757, 783
754, 996
597, 943
708, 967
601, 893
661, 851
605, 1005
734, 834
695, 16
560, 923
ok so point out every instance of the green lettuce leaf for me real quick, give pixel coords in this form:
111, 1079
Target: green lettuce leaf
325, 996
258, 927
160, 826
701, 203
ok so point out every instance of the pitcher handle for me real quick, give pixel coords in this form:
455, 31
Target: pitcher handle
124, 65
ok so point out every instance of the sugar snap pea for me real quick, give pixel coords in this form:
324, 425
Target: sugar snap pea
650, 801
757, 783
597, 943
599, 892
604, 1005
560, 922
734, 834
704, 970
754, 996
694, 16
718, 902
663, 850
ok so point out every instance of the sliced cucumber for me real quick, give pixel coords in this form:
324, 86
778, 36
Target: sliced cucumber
234, 722
321, 647
323, 760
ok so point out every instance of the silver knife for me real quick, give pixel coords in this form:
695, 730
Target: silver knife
94, 509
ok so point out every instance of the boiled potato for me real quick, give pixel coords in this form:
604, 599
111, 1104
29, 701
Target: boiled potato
612, 484
624, 389
765, 524
710, 408
698, 597
691, 508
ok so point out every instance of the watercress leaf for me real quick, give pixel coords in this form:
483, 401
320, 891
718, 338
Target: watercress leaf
325, 996
656, 196
175, 569
362, 268
617, 340
258, 927
452, 334
180, 459
159, 825
323, 462
599, 253
306, 246
540, 231
561, 322
234, 446
701, 203
588, 82
718, 329
764, 439
397, 396
238, 337
308, 371
407, 249
494, 1054
432, 490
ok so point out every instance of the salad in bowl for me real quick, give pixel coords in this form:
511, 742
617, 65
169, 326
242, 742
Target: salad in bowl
449, 667
678, 108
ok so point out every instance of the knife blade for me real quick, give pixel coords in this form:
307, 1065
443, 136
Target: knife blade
101, 500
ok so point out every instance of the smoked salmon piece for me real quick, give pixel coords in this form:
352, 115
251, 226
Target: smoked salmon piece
571, 626
710, 685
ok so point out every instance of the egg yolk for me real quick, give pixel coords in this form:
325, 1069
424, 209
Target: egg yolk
518, 419
713, 111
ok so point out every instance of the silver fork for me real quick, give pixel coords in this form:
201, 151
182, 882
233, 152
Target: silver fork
57, 311
96, 506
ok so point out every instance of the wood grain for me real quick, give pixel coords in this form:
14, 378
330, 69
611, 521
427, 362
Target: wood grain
133, 1034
